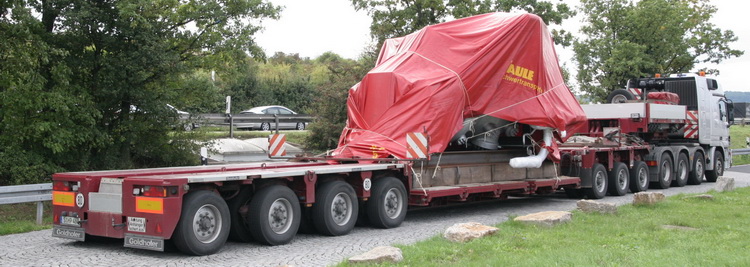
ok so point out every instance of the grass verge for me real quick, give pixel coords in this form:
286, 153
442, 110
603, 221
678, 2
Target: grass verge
738, 134
21, 218
632, 237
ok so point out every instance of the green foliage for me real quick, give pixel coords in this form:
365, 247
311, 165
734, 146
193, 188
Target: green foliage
628, 40
329, 105
85, 84
393, 18
633, 237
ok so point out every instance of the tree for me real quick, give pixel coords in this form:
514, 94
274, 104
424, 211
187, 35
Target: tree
329, 105
393, 18
626, 40
85, 84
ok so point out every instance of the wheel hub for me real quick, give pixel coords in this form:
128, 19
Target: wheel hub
279, 216
205, 223
341, 209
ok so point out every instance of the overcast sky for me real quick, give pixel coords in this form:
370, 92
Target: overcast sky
312, 27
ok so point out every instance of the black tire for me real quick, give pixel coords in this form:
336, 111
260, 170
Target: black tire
695, 177
203, 227
280, 227
335, 210
238, 209
362, 218
619, 179
639, 177
619, 96
300, 126
683, 169
599, 182
387, 205
574, 193
265, 126
665, 172
306, 225
718, 170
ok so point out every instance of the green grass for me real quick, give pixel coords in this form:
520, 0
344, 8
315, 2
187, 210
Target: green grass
738, 134
21, 218
216, 132
632, 237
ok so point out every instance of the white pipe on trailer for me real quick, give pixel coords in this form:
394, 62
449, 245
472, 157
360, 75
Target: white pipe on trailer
534, 161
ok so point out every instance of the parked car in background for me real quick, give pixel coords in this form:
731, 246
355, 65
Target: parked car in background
289, 123
186, 121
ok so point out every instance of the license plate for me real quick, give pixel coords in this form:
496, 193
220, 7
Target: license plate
136, 224
144, 242
75, 233
67, 220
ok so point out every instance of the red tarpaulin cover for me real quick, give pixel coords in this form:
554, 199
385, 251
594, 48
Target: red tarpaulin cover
497, 64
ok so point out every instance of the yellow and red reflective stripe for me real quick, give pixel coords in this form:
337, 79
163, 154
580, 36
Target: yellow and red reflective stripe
149, 205
61, 198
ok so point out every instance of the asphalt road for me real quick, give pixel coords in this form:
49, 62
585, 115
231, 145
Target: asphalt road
41, 249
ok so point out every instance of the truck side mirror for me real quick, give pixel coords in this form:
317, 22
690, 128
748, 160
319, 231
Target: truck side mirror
712, 84
730, 112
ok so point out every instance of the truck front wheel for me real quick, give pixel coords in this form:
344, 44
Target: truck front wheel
203, 227
274, 215
387, 206
335, 209
599, 182
718, 170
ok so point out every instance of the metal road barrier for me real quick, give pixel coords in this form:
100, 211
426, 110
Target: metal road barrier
741, 151
27, 193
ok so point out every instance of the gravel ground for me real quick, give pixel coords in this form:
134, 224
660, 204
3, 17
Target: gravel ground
41, 249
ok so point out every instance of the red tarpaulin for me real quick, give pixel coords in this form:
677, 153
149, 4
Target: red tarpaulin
497, 64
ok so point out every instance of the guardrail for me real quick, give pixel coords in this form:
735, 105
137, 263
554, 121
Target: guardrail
27, 193
741, 151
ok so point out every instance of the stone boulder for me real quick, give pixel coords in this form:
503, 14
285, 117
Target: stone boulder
464, 232
647, 198
378, 255
724, 184
590, 206
546, 218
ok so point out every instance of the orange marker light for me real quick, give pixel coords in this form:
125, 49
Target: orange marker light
658, 75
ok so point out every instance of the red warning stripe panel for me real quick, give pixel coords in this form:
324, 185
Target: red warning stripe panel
416, 146
276, 144
691, 124
636, 92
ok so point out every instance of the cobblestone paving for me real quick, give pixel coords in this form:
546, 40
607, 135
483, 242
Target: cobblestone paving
41, 249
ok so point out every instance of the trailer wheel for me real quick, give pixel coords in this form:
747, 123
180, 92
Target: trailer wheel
335, 209
203, 227
695, 176
274, 215
639, 177
619, 96
599, 184
718, 170
238, 209
683, 169
387, 205
665, 172
619, 179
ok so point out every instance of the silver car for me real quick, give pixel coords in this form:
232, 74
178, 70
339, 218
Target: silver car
286, 124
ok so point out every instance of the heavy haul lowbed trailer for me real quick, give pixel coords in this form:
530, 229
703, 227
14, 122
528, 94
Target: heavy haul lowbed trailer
200, 207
